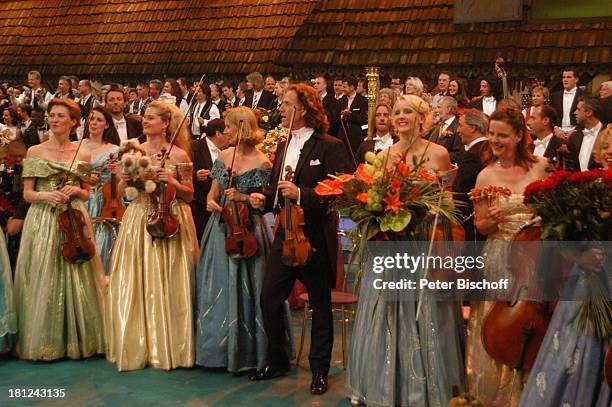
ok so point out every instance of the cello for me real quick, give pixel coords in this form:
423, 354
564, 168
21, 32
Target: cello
78, 247
297, 249
240, 242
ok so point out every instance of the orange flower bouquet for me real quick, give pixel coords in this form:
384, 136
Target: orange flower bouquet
391, 200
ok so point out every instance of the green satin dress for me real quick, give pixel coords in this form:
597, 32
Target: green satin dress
59, 304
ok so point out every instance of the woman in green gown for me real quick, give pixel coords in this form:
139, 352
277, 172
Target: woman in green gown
59, 303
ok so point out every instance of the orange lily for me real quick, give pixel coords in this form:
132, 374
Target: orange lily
361, 175
393, 202
362, 197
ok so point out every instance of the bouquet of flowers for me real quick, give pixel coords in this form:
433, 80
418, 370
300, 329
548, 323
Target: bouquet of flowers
577, 207
270, 143
6, 138
138, 166
267, 119
381, 199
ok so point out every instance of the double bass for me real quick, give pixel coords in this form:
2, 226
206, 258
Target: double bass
240, 242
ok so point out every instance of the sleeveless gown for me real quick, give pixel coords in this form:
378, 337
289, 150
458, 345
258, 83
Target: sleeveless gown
395, 360
493, 383
59, 304
104, 236
229, 322
150, 314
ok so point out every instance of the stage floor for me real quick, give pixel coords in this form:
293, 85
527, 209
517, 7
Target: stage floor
96, 382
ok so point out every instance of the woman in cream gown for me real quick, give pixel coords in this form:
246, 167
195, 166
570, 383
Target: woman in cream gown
150, 316
509, 165
59, 303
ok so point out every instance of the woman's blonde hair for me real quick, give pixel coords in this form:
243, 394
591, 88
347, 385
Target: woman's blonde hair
171, 114
421, 107
418, 85
251, 133
604, 136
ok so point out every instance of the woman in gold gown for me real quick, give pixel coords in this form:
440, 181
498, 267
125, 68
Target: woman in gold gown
59, 303
150, 318
509, 165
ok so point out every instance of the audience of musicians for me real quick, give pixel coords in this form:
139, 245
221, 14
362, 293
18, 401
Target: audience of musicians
183, 299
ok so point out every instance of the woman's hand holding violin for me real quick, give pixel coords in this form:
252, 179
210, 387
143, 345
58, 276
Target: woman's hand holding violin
70, 190
164, 175
233, 195
55, 197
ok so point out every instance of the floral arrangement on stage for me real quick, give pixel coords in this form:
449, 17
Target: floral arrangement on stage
576, 207
269, 144
6, 138
267, 120
389, 200
137, 165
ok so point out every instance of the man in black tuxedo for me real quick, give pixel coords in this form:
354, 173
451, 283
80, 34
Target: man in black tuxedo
354, 115
127, 127
473, 125
542, 122
313, 154
205, 151
382, 138
231, 100
588, 118
445, 132
258, 97
331, 105
565, 102
33, 134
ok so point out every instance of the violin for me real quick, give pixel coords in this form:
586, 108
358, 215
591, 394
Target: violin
113, 207
78, 247
296, 247
240, 242
161, 223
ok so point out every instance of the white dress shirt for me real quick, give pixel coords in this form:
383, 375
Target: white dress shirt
256, 97
195, 124
474, 142
586, 148
382, 143
540, 146
447, 123
488, 105
298, 138
121, 127
350, 100
214, 151
568, 99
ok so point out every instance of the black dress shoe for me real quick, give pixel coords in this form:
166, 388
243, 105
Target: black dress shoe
268, 373
319, 383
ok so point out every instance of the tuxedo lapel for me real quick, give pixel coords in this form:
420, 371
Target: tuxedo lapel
306, 153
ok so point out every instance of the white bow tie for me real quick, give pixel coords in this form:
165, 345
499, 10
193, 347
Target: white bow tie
489, 99
589, 132
569, 92
537, 142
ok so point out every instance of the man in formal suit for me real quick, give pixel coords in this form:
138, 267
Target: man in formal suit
127, 127
205, 151
565, 102
605, 98
86, 102
39, 96
382, 138
34, 133
473, 125
338, 88
139, 105
258, 97
203, 111
313, 154
445, 132
354, 115
487, 102
542, 122
588, 119
443, 81
331, 105
185, 86
231, 100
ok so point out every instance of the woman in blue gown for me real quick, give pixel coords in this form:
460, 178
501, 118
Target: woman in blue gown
229, 325
102, 139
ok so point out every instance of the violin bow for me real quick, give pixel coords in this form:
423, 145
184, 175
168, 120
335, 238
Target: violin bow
76, 153
180, 126
347, 141
282, 167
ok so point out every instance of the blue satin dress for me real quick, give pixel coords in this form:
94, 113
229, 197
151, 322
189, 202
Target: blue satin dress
229, 322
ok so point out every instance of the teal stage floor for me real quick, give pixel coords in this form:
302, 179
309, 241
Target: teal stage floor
95, 382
